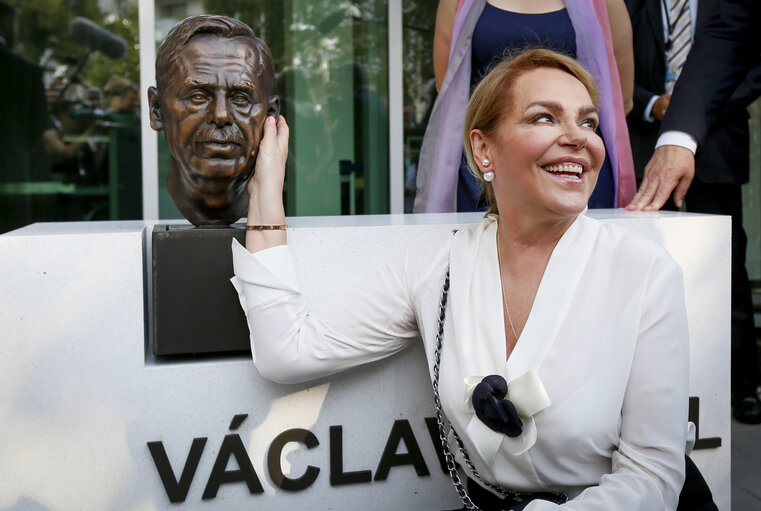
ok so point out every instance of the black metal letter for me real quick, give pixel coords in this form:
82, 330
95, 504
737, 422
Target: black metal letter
275, 452
232, 446
177, 491
694, 416
337, 474
401, 431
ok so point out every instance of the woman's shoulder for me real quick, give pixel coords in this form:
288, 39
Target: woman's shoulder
427, 255
429, 246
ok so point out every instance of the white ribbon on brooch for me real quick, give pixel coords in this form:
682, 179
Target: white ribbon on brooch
528, 395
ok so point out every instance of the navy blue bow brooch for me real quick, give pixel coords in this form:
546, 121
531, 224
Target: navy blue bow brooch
492, 407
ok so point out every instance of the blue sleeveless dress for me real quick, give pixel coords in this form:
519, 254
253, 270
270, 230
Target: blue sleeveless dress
498, 31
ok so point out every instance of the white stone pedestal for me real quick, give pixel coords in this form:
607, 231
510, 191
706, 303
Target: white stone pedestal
81, 395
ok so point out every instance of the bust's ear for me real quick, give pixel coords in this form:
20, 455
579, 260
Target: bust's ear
273, 107
157, 123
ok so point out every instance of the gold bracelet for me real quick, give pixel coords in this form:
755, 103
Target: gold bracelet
268, 227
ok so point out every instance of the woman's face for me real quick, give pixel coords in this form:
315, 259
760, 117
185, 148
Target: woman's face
546, 155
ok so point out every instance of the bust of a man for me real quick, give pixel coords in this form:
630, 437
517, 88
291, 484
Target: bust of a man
213, 84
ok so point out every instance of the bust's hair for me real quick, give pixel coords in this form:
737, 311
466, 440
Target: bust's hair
222, 26
493, 97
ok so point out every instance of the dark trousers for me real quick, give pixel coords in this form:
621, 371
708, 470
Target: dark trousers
695, 496
726, 199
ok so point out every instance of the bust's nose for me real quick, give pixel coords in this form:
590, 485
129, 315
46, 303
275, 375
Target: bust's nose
220, 110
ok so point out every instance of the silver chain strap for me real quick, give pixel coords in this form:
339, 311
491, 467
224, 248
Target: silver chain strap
448, 456
443, 434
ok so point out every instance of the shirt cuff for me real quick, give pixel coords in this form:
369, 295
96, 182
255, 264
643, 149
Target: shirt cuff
264, 276
679, 138
648, 115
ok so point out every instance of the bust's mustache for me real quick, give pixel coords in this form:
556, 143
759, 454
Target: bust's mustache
226, 135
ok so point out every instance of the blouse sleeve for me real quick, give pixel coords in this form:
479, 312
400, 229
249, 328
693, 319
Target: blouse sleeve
647, 471
289, 343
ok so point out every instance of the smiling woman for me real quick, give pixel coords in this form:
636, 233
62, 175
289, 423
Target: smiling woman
565, 377
503, 113
532, 122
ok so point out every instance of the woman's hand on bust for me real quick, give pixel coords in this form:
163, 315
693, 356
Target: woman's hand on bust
265, 206
269, 171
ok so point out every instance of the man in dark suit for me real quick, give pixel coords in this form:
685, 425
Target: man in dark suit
700, 116
23, 119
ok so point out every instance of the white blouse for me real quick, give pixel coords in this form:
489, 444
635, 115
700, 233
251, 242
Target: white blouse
599, 374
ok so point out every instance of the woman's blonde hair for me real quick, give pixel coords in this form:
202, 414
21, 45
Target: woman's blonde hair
493, 96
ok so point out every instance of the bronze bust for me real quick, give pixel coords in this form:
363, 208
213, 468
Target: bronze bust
214, 79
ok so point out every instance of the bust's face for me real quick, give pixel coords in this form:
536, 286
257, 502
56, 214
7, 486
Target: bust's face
212, 112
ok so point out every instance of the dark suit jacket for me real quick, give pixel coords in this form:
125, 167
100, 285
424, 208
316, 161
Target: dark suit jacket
23, 114
723, 152
23, 118
724, 50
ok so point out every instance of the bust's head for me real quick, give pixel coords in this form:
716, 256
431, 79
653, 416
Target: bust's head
214, 80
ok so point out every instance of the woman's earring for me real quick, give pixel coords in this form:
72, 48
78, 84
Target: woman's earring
488, 176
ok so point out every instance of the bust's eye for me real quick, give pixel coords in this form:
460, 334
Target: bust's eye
198, 97
240, 100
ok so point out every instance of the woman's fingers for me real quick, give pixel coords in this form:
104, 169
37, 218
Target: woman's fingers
274, 144
272, 154
283, 133
269, 138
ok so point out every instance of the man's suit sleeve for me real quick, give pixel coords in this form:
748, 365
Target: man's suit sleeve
642, 98
725, 47
749, 89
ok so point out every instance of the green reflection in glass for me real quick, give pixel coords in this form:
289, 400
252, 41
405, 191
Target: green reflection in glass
73, 149
419, 86
332, 64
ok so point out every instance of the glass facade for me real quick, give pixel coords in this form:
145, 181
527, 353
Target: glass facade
331, 60
419, 86
70, 129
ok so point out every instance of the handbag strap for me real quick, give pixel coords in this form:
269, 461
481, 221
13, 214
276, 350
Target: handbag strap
448, 457
443, 433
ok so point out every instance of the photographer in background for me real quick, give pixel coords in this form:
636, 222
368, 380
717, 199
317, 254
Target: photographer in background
70, 145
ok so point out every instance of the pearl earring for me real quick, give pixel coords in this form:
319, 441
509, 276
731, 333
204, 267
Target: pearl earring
485, 162
489, 176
